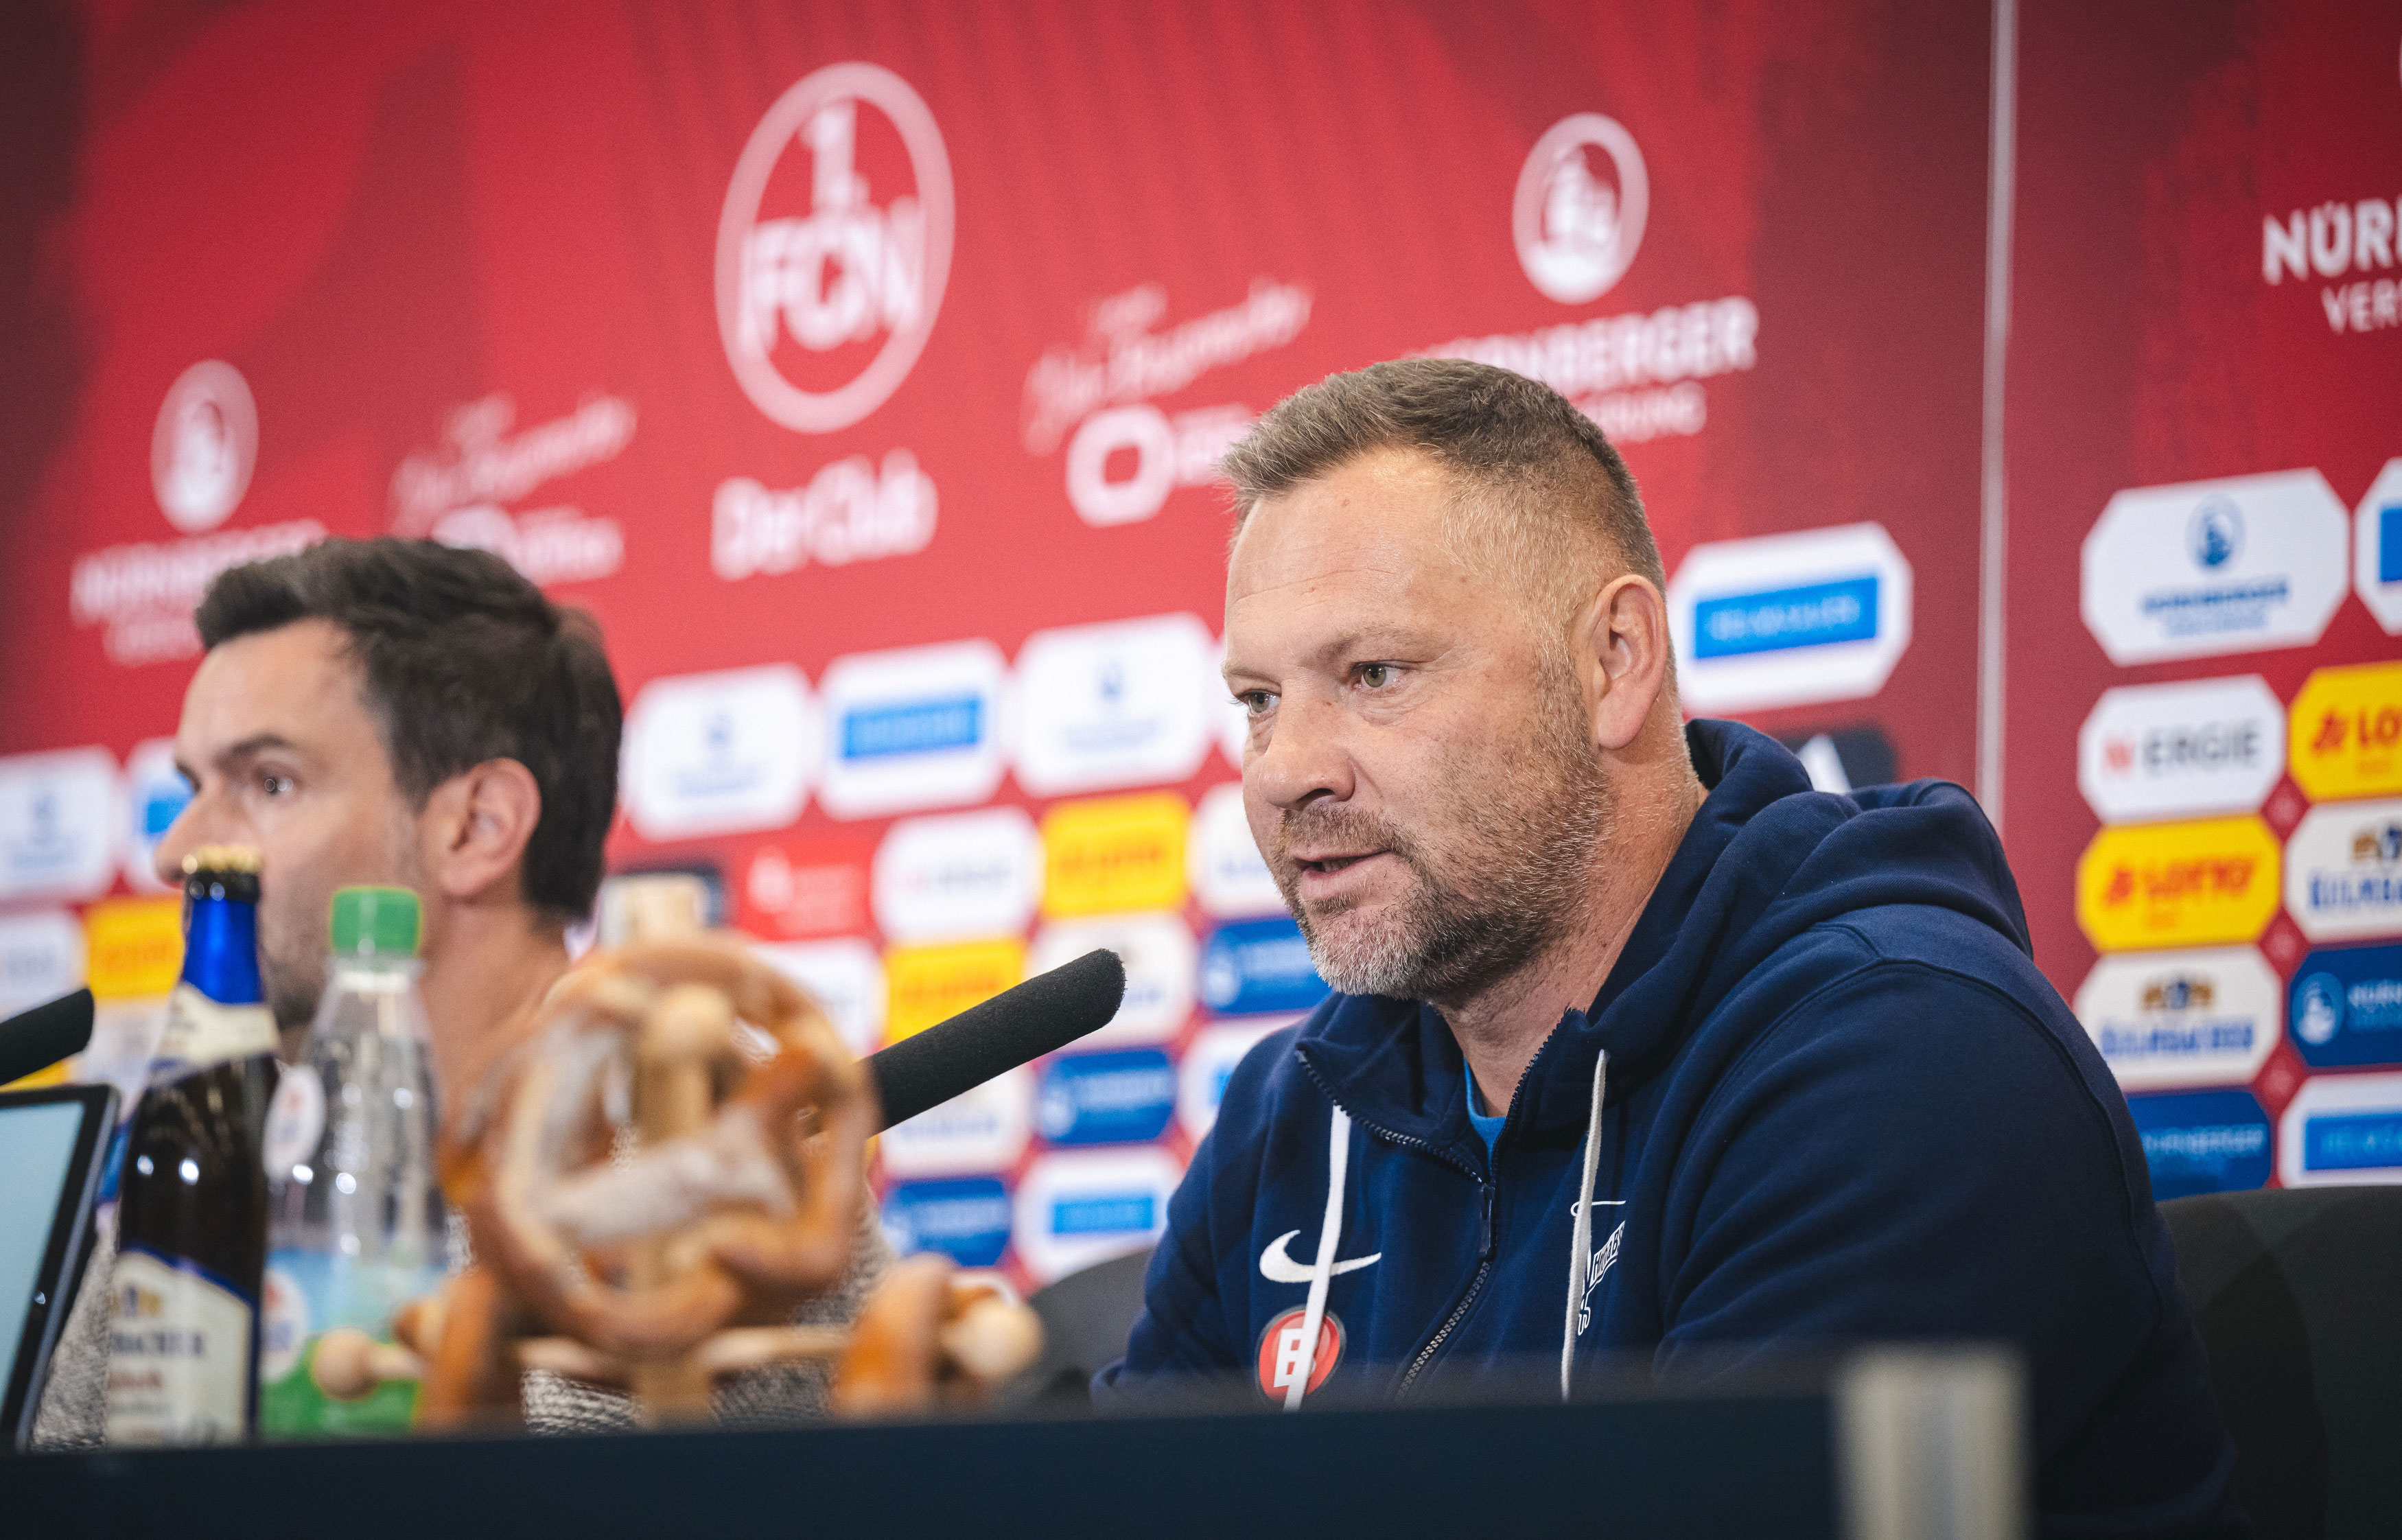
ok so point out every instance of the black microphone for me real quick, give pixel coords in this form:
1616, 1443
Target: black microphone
1045, 1014
40, 1038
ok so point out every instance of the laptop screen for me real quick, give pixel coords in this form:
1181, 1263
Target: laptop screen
37, 1147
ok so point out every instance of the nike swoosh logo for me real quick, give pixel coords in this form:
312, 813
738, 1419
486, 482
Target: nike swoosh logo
1277, 1266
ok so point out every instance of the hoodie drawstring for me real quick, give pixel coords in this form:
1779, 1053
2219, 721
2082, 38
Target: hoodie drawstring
1580, 1240
1321, 1272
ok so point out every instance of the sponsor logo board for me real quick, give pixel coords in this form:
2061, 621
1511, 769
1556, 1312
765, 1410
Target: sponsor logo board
1078, 1207
1249, 968
1790, 620
926, 984
1208, 1063
2202, 1141
2347, 732
133, 948
1117, 704
966, 1219
958, 875
823, 311
1109, 1098
915, 728
1161, 958
2194, 884
2343, 871
1112, 854
2377, 548
2181, 750
1229, 875
41, 958
816, 886
2342, 1129
719, 754
156, 794
2169, 1020
2209, 568
2347, 1007
985, 1129
60, 816
845, 977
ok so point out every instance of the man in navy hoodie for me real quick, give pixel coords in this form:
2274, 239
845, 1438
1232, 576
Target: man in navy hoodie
1639, 1042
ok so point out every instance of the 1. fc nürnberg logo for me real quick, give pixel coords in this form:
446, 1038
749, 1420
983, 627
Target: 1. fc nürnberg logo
1577, 233
849, 269
204, 445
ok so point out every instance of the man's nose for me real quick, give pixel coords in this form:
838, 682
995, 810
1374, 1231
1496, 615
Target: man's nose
1305, 756
186, 833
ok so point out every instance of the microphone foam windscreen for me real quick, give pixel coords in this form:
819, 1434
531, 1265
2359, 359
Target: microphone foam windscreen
40, 1038
1016, 1027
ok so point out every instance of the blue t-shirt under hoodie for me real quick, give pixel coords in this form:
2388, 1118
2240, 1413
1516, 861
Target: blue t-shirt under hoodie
1840, 1104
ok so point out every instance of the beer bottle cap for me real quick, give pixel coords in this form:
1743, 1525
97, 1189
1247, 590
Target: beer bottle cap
375, 922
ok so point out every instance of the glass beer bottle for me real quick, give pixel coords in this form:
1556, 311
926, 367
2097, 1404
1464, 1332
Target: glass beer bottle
192, 1213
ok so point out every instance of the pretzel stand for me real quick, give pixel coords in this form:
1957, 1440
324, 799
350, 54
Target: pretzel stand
675, 1163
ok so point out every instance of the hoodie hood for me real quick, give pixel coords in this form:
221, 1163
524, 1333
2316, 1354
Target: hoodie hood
1765, 858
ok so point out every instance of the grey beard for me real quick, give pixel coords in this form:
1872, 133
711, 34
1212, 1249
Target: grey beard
1530, 839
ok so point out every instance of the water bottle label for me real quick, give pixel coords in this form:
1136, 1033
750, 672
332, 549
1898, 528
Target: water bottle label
296, 1118
179, 1352
200, 1032
308, 1293
283, 1325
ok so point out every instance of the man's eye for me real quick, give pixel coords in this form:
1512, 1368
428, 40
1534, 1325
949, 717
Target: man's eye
1375, 676
275, 785
1256, 702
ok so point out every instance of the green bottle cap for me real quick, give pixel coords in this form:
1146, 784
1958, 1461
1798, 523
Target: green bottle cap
375, 922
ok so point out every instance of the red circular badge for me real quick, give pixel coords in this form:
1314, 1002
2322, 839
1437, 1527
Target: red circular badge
1280, 1353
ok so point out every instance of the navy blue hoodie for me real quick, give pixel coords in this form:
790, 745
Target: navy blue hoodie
1840, 1104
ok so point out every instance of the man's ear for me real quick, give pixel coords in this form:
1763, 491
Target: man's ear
1623, 651
475, 830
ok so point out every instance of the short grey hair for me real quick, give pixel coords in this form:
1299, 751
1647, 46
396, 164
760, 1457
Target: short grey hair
1540, 480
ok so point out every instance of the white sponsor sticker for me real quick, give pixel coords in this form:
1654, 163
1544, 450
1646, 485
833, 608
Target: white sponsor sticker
915, 728
2342, 1129
59, 817
719, 754
1073, 1210
2343, 871
867, 263
1229, 876
1209, 1062
2207, 568
41, 958
958, 875
2377, 548
2168, 1021
1790, 620
156, 794
985, 1129
2181, 750
1161, 958
845, 977
1122, 704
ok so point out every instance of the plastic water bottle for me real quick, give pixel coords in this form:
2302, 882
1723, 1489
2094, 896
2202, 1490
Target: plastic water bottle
356, 1226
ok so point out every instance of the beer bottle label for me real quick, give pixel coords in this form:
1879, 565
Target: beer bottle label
200, 1032
178, 1354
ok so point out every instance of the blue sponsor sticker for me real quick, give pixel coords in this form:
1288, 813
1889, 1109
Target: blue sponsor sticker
1256, 967
2202, 1141
2347, 1007
1815, 614
1107, 1098
1103, 1213
966, 1219
2389, 544
913, 727
2353, 1141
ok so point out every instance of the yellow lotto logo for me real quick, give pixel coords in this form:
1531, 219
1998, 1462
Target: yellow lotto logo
2345, 732
925, 984
1113, 854
133, 948
2213, 880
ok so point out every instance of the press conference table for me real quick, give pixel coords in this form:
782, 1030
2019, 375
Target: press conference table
1905, 1445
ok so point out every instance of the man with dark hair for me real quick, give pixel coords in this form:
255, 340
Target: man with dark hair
399, 712
1638, 1044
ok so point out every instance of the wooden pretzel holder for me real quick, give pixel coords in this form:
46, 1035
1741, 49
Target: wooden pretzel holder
675, 1164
